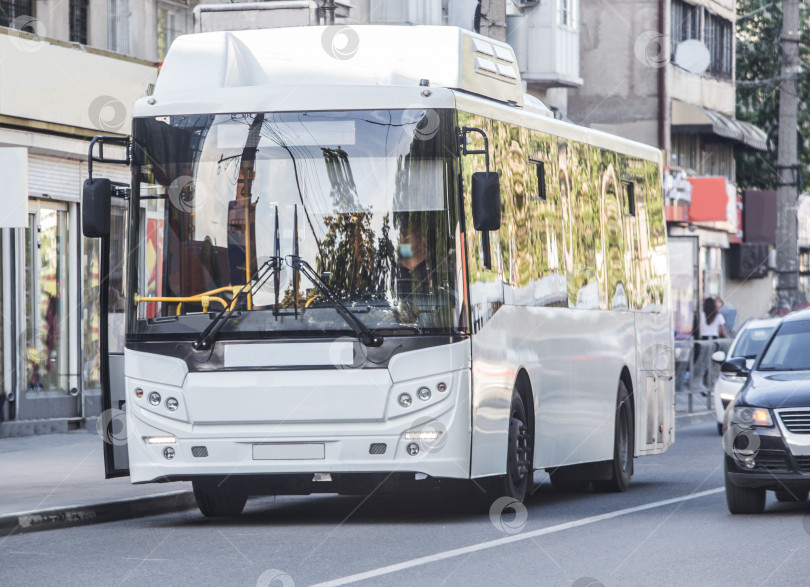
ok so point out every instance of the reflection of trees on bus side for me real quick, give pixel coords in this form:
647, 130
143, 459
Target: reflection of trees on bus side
583, 233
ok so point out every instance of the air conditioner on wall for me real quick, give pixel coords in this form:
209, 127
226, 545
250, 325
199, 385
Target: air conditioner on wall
526, 3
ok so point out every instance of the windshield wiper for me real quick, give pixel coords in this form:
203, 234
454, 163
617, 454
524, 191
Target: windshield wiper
207, 336
364, 334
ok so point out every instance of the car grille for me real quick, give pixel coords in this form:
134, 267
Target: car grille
770, 462
804, 464
796, 422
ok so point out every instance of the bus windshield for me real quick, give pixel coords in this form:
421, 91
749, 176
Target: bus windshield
366, 198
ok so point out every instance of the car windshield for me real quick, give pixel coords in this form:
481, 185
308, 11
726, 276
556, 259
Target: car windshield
366, 198
789, 350
750, 341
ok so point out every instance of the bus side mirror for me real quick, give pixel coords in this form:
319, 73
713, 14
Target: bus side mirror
96, 196
486, 200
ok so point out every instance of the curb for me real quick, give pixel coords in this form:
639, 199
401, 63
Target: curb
79, 515
694, 418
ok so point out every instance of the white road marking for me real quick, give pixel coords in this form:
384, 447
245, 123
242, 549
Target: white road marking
424, 560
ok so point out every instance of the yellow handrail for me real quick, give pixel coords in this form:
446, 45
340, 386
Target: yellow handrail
204, 299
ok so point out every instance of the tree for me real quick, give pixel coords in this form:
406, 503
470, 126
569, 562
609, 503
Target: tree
758, 70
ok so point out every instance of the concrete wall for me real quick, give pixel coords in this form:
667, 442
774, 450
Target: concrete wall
619, 68
752, 298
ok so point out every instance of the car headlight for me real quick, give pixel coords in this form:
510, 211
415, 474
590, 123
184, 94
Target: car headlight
746, 416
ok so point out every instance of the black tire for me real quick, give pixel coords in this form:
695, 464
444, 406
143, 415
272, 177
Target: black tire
219, 498
563, 483
720, 428
792, 496
623, 446
744, 500
519, 470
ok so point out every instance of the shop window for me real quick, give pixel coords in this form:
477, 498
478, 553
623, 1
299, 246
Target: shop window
46, 301
91, 376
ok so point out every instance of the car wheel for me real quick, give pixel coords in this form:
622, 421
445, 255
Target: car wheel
218, 498
744, 500
791, 496
720, 428
623, 446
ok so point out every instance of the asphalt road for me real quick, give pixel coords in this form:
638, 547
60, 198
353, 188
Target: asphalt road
671, 528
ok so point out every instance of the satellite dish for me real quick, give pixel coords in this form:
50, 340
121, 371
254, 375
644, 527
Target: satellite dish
693, 56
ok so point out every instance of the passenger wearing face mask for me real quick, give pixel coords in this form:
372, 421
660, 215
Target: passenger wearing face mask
413, 276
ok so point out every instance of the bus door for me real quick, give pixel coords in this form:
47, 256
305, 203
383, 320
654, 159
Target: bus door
105, 216
112, 319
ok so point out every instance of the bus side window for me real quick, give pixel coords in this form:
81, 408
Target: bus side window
630, 196
540, 168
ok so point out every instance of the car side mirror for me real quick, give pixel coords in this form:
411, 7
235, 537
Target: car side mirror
486, 200
735, 366
96, 196
719, 356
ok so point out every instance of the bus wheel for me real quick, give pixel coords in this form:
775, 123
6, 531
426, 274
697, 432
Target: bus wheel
219, 497
623, 446
515, 483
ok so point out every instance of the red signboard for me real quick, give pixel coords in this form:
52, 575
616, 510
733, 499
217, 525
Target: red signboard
709, 199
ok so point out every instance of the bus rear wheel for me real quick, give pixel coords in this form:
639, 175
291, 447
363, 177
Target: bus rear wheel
623, 446
219, 497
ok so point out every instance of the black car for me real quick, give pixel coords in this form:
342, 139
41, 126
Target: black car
767, 436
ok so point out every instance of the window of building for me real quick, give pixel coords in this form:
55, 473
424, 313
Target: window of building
10, 10
78, 21
717, 158
718, 38
171, 23
685, 151
118, 26
685, 22
566, 12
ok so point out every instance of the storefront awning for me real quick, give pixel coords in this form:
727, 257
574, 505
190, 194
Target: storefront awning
691, 118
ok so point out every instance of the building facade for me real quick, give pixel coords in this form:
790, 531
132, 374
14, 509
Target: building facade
57, 95
662, 72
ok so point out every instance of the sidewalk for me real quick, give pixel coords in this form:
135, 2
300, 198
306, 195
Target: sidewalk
55, 480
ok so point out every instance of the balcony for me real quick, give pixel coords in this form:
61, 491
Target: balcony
545, 38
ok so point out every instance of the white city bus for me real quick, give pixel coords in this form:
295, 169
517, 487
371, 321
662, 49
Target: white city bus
379, 264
